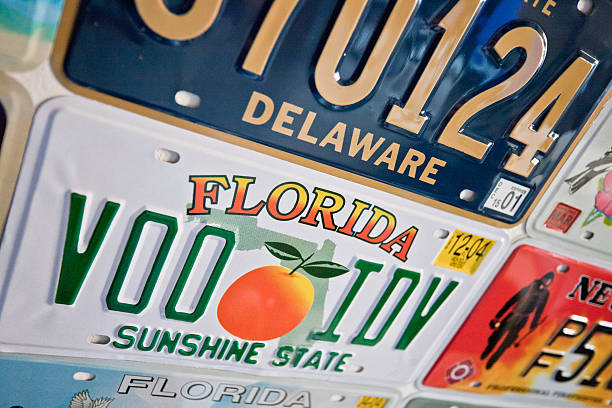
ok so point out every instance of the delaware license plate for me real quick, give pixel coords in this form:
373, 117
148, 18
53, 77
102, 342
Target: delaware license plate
578, 208
175, 247
54, 384
403, 94
543, 329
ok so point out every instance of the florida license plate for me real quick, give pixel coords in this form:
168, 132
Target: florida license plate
404, 94
175, 247
578, 208
35, 382
542, 330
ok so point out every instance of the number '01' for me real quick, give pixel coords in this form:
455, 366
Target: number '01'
535, 132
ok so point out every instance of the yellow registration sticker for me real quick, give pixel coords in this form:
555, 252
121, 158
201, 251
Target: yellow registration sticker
371, 402
464, 252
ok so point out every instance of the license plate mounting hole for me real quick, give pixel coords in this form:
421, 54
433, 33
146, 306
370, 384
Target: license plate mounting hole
167, 156
585, 6
587, 235
440, 233
337, 398
83, 376
98, 339
562, 268
187, 99
467, 195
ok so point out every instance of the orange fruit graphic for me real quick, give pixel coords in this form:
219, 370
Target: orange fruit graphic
265, 303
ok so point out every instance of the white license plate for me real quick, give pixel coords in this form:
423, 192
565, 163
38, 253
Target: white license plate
577, 211
181, 248
35, 382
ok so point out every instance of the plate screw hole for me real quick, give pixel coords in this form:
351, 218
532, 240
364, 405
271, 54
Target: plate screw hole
83, 376
336, 398
467, 195
98, 339
187, 99
587, 235
475, 384
562, 268
440, 233
167, 156
585, 6
356, 368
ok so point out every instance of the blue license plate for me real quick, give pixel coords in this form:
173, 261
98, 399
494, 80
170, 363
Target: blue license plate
468, 105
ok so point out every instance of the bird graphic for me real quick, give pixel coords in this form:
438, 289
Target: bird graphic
83, 400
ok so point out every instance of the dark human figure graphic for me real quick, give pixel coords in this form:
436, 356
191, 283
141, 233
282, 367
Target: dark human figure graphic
532, 298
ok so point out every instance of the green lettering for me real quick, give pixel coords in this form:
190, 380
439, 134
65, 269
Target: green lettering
283, 353
365, 268
341, 362
314, 360
299, 353
418, 320
191, 346
141, 340
75, 265
122, 335
236, 350
332, 355
112, 298
168, 341
397, 276
253, 353
230, 241
223, 348
212, 349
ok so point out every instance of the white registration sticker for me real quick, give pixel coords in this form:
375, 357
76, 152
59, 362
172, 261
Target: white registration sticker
506, 197
179, 248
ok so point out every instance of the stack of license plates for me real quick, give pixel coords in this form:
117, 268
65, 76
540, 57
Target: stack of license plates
306, 203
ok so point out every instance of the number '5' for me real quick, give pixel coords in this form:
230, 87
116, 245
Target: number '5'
411, 116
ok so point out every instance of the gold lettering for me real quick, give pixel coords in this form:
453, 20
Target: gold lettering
364, 144
178, 27
549, 3
559, 94
344, 27
535, 47
430, 169
414, 159
249, 112
283, 118
455, 24
267, 36
335, 137
303, 135
389, 156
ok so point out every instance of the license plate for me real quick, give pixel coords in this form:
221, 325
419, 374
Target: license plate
403, 96
578, 208
180, 248
27, 30
542, 329
29, 382
439, 403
